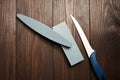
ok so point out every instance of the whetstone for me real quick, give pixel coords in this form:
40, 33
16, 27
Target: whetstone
73, 54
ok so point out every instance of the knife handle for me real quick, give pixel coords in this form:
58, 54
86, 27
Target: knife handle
96, 67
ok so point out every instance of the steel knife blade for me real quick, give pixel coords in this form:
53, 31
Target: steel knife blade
44, 30
91, 53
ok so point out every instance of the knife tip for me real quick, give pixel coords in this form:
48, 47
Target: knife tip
71, 16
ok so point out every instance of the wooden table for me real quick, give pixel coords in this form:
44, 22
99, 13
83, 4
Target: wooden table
24, 55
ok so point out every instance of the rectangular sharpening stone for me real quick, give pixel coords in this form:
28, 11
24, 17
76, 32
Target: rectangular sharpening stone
73, 53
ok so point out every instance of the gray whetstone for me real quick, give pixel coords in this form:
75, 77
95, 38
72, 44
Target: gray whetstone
73, 54
43, 30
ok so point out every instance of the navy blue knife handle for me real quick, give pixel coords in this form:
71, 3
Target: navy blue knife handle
96, 67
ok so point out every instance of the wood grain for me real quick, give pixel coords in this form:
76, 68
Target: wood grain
24, 55
7, 40
105, 38
60, 69
81, 13
42, 52
34, 57
25, 40
79, 71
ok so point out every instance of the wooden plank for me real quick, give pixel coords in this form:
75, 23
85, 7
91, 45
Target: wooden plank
34, 53
25, 39
81, 13
7, 40
60, 62
62, 9
105, 35
42, 63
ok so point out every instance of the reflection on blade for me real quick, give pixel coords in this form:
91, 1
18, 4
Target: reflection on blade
83, 37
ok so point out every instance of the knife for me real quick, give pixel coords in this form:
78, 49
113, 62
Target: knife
44, 30
91, 53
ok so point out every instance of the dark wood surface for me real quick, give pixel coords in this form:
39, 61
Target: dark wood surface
24, 55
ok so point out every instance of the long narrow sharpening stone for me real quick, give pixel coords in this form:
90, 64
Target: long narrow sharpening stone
73, 54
